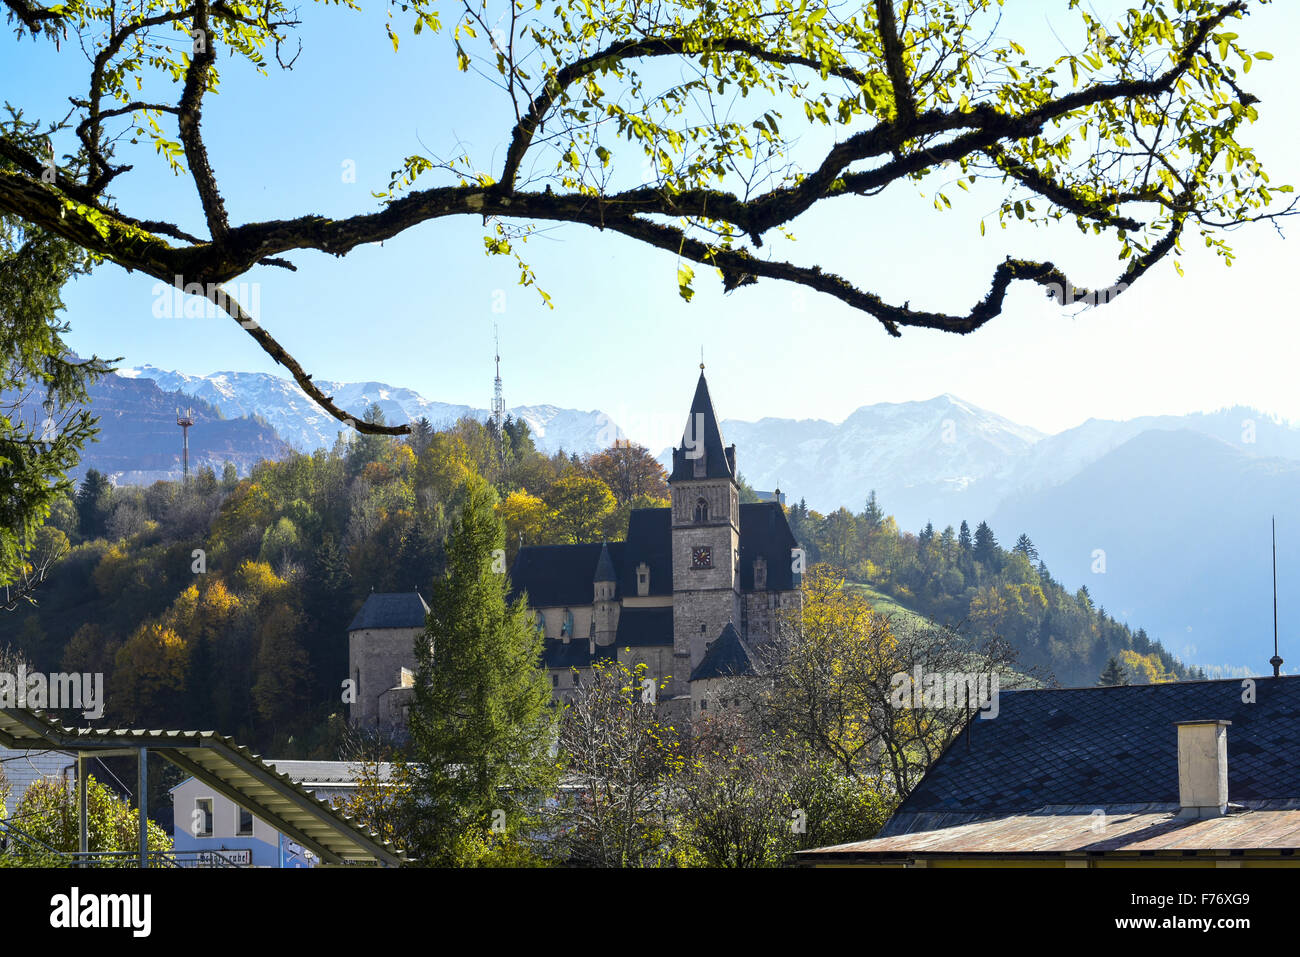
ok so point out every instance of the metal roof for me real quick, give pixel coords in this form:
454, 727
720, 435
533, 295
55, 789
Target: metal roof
228, 768
1081, 829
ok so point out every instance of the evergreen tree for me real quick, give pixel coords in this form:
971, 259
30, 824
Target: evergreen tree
1141, 643
365, 448
874, 514
421, 435
963, 538
1044, 575
44, 424
520, 437
418, 560
1026, 547
1114, 674
481, 720
927, 533
92, 503
328, 602
986, 547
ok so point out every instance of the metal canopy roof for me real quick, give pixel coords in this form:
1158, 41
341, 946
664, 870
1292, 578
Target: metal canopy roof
227, 768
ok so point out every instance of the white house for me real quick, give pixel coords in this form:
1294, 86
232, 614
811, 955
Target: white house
206, 820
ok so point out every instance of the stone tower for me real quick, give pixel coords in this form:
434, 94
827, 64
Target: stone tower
705, 538
604, 612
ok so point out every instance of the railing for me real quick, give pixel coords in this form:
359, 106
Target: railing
17, 843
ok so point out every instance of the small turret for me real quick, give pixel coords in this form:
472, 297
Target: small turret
604, 617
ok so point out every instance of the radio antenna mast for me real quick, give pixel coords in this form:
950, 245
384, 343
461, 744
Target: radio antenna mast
1275, 661
185, 421
498, 400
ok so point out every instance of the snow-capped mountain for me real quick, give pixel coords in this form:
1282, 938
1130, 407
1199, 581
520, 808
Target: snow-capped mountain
918, 456
305, 426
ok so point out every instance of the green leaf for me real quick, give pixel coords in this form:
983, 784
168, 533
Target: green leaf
685, 275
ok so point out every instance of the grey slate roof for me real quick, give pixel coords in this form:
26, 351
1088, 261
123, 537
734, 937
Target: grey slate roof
644, 626
559, 574
391, 610
605, 567
726, 657
704, 433
765, 531
576, 653
649, 540
1109, 746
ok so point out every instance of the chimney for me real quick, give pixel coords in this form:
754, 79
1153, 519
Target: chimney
1203, 768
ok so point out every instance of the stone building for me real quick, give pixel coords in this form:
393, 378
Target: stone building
381, 657
690, 591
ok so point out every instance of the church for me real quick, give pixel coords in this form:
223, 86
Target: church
690, 592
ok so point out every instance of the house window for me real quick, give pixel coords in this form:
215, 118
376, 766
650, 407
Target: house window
555, 681
243, 822
201, 821
701, 510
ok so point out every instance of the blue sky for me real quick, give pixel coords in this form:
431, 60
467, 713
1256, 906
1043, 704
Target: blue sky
419, 312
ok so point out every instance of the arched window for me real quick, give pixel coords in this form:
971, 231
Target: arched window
701, 510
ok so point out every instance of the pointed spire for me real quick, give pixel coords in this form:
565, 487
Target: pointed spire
702, 439
605, 566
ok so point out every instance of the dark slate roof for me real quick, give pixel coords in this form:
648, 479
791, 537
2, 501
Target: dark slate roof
574, 654
645, 626
726, 657
559, 574
649, 540
1108, 746
391, 610
555, 575
605, 567
765, 531
719, 460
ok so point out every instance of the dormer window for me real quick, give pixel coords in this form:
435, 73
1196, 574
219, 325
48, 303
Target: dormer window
701, 510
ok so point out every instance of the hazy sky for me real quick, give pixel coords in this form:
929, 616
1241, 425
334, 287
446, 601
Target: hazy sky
419, 311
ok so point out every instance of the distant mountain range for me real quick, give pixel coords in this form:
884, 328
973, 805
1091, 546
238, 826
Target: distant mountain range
306, 427
139, 441
1175, 507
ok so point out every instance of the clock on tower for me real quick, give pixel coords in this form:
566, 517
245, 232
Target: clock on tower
702, 556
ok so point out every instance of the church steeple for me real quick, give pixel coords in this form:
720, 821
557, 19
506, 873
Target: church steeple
705, 536
702, 454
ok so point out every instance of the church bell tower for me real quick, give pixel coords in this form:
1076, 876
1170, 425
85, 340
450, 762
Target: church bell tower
705, 537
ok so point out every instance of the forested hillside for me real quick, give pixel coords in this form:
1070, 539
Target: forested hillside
967, 580
224, 602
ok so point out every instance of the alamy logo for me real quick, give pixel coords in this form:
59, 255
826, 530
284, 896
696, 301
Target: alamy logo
74, 910
79, 692
945, 689
194, 300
